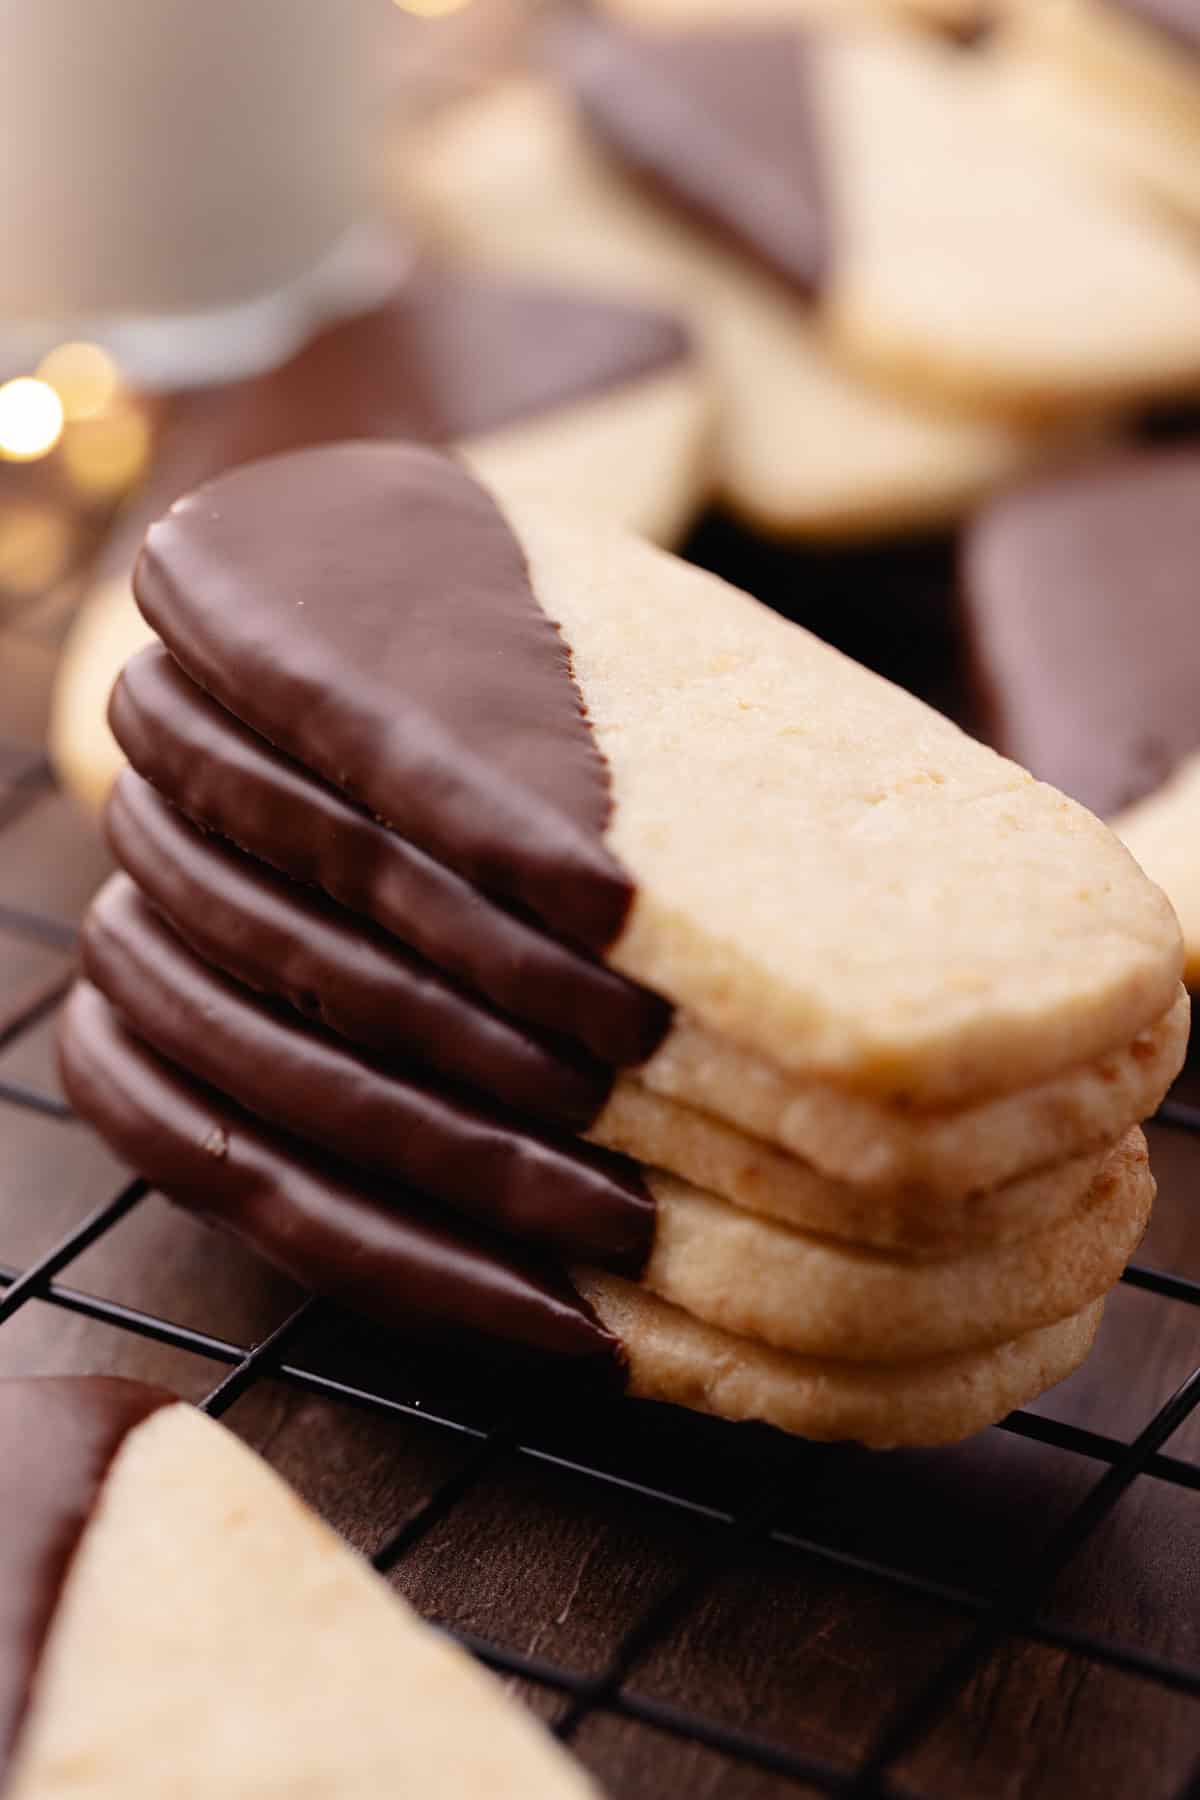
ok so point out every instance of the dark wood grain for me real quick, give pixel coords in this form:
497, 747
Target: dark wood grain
777, 1635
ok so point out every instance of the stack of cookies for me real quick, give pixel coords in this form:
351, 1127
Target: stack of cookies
523, 932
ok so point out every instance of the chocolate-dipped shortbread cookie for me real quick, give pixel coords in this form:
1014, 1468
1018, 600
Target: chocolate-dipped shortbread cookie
1080, 603
167, 1604
587, 400
431, 956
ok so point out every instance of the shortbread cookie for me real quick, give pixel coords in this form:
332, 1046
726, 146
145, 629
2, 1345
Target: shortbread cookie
397, 1119
159, 1580
807, 1294
934, 1153
919, 1176
312, 1219
229, 781
368, 648
911, 837
808, 448
590, 401
283, 940
673, 1357
386, 1252
753, 1276
359, 983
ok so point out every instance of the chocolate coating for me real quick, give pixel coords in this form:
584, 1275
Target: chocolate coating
1080, 595
58, 1438
381, 1116
720, 122
288, 942
366, 1242
454, 355
1179, 19
232, 782
368, 610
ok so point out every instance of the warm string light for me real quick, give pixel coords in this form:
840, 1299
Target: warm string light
76, 403
31, 419
84, 376
75, 415
104, 456
36, 544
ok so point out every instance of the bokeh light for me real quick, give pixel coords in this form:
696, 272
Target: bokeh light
432, 9
36, 542
103, 457
84, 377
31, 419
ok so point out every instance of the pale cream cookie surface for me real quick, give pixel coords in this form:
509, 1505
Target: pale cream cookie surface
213, 1639
680, 1359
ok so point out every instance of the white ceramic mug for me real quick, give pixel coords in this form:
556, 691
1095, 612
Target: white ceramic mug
178, 178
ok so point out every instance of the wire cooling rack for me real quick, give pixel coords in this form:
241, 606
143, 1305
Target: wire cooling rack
1014, 1610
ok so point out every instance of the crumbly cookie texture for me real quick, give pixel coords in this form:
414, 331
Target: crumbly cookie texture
820, 1298
973, 264
889, 1148
677, 1358
808, 447
867, 895
212, 1627
765, 1180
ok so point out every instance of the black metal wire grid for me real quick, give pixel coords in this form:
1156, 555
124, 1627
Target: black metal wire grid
1015, 1612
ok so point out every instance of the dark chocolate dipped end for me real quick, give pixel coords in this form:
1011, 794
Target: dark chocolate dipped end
387, 1253
723, 124
289, 942
384, 1117
367, 609
58, 1438
1079, 603
230, 781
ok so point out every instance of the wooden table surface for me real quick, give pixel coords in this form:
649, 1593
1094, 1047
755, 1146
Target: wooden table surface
845, 1580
